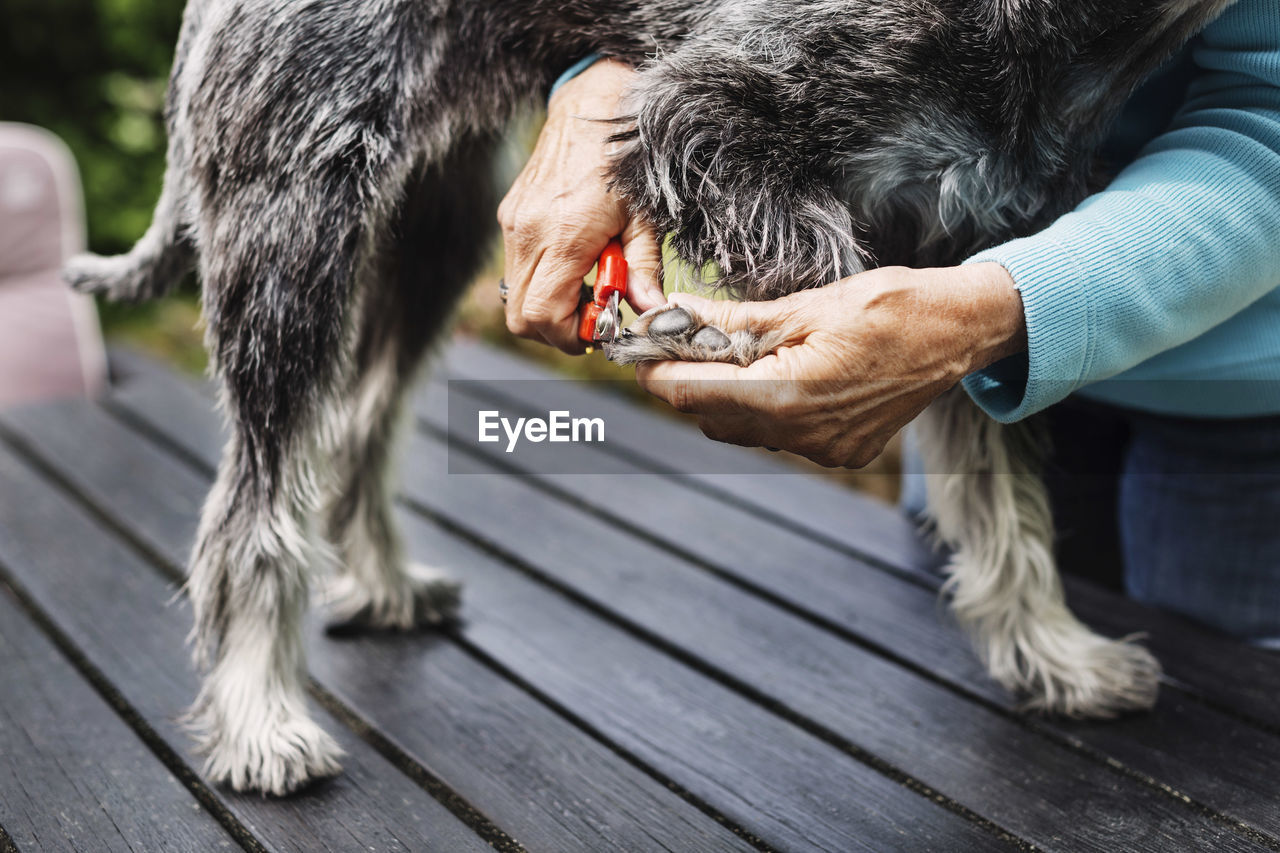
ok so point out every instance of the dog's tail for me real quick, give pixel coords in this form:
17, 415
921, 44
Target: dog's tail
155, 265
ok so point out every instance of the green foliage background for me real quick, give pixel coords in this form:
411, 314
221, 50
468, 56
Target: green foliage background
94, 72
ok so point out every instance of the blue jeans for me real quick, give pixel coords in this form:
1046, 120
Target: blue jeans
1180, 513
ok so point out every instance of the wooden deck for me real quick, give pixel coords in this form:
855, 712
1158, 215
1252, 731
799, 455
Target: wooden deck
761, 663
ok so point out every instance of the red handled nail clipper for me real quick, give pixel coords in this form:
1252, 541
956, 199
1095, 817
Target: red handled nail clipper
600, 317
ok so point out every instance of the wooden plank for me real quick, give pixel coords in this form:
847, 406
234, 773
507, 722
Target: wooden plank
112, 607
1202, 662
1225, 770
881, 609
73, 775
910, 722
1227, 782
788, 787
1215, 668
482, 506
541, 779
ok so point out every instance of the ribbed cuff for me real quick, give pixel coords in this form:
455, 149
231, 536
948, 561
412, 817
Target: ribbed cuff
573, 71
1055, 303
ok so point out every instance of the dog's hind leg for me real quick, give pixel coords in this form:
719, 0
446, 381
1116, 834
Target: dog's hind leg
990, 505
278, 304
440, 241
304, 125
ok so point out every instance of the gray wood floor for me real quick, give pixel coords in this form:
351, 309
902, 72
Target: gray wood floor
736, 658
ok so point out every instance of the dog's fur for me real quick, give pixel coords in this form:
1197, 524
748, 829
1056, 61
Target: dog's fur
330, 176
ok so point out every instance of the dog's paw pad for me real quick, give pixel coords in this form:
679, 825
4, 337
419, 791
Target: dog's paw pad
675, 322
711, 339
674, 333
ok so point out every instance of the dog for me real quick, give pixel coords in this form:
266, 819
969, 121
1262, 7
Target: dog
331, 177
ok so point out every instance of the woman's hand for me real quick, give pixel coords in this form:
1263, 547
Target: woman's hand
558, 215
862, 357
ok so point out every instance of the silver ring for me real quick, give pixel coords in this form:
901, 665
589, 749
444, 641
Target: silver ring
502, 290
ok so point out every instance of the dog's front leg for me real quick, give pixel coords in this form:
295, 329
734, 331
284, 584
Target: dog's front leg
990, 506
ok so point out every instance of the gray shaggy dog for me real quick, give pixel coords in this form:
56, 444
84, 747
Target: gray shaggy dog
330, 176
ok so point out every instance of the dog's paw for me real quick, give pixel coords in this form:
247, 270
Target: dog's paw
1104, 680
286, 753
674, 333
422, 598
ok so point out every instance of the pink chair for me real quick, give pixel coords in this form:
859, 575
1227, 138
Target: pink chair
50, 341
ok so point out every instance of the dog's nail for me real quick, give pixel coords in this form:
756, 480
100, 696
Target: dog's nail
671, 323
711, 338
653, 312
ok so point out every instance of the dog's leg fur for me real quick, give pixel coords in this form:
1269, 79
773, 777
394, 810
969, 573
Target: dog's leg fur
990, 505
288, 222
281, 362
441, 228
248, 590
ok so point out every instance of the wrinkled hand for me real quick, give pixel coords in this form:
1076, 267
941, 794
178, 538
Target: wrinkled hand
862, 357
559, 214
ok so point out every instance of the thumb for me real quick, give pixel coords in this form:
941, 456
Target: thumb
644, 267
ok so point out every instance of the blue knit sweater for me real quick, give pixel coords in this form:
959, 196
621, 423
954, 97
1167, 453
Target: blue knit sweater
1160, 292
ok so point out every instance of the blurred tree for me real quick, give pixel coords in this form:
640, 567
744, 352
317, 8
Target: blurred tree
94, 72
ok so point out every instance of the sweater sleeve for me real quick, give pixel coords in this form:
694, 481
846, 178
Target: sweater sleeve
573, 71
1184, 237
